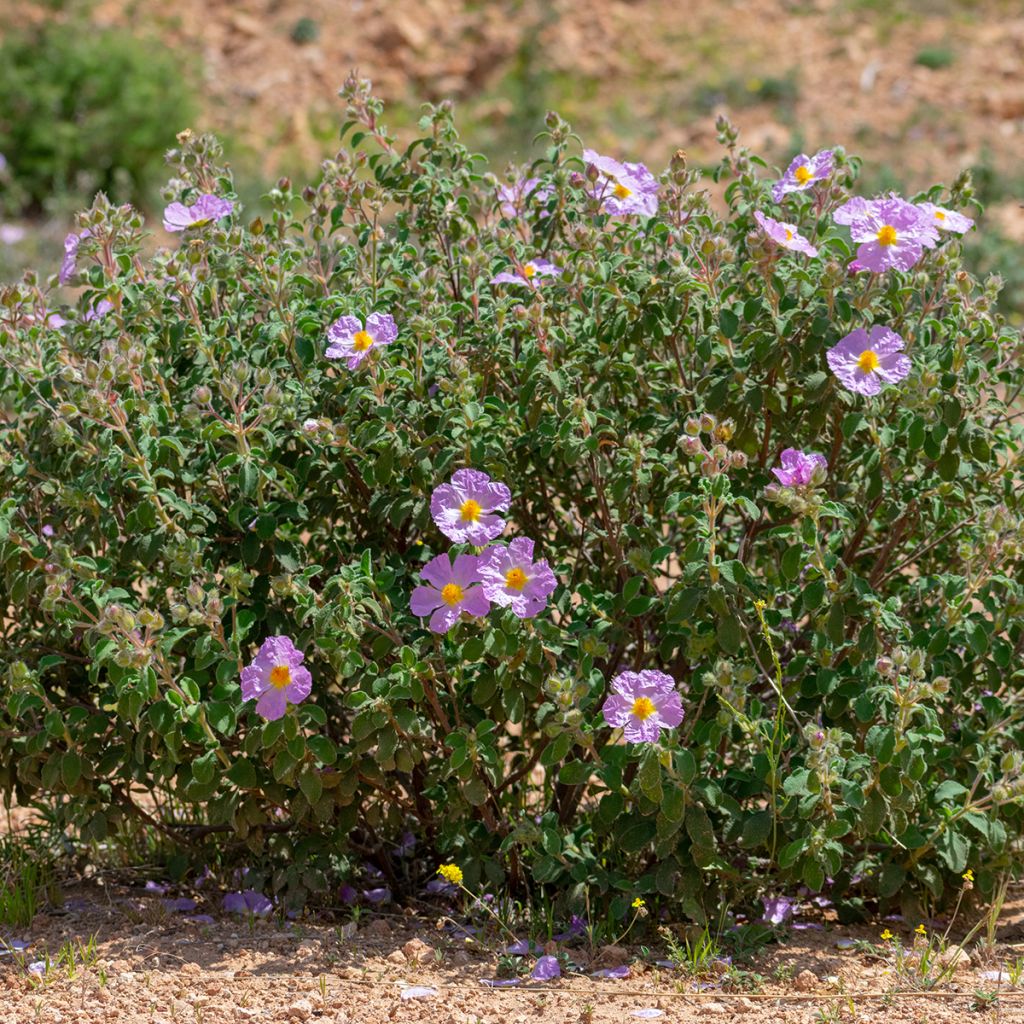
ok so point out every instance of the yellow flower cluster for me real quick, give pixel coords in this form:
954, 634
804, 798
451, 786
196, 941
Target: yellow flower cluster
451, 873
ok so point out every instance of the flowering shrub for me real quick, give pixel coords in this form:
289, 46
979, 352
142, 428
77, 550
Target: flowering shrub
83, 107
587, 537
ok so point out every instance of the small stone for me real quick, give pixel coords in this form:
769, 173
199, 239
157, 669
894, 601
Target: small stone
805, 981
377, 929
396, 957
417, 951
301, 1009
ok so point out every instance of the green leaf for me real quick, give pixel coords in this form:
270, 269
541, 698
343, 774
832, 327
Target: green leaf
242, 774
311, 785
891, 879
575, 773
730, 634
813, 875
70, 769
701, 833
649, 776
322, 749
953, 849
756, 829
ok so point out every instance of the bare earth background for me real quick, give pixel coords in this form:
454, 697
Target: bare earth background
920, 88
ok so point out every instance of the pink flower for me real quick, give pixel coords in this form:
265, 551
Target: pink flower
642, 704
802, 173
800, 469
465, 509
69, 263
512, 579
891, 233
946, 220
784, 234
514, 198
207, 208
866, 362
350, 340
452, 590
623, 188
276, 678
533, 271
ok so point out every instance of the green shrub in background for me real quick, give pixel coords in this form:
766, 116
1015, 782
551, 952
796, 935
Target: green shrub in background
188, 475
84, 108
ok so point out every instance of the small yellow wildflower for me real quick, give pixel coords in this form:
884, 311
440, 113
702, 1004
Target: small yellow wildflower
921, 930
887, 936
451, 873
968, 875
639, 903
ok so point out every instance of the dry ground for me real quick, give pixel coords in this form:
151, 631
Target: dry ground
920, 87
151, 966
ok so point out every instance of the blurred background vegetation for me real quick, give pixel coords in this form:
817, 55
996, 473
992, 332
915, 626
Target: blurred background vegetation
93, 91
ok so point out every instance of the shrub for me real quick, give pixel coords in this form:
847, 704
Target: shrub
189, 475
83, 108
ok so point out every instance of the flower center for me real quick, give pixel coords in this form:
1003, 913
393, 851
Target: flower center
451, 593
362, 341
529, 270
621, 192
470, 511
515, 579
643, 708
939, 215
887, 235
280, 676
803, 174
789, 235
868, 361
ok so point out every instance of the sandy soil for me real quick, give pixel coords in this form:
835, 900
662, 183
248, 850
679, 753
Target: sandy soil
154, 967
137, 962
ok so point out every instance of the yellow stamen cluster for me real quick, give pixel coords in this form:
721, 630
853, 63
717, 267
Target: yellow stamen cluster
451, 594
451, 873
886, 235
803, 174
361, 341
515, 579
621, 192
280, 676
868, 361
470, 510
643, 708
529, 270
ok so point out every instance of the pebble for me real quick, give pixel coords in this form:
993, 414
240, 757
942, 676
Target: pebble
805, 981
417, 951
301, 1009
